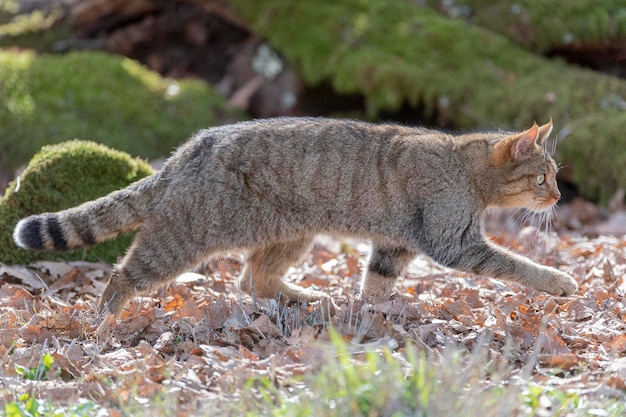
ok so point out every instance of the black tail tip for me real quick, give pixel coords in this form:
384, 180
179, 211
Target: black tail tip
27, 233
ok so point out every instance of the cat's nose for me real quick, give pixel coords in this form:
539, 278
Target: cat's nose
556, 195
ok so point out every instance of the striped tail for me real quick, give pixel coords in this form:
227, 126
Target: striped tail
92, 222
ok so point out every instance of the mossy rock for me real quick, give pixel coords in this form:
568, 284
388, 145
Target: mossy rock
109, 99
396, 53
62, 176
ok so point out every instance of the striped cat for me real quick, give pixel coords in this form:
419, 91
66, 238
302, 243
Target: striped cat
270, 186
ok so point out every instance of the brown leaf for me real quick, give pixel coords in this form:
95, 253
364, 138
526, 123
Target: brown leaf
553, 343
564, 361
460, 311
217, 313
579, 309
131, 327
20, 298
175, 303
33, 331
618, 345
247, 354
495, 319
617, 382
25, 275
472, 297
68, 280
165, 343
266, 326
526, 338
64, 324
530, 321
313, 279
302, 337
617, 374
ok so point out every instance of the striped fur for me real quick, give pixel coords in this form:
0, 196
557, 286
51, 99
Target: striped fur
270, 186
93, 222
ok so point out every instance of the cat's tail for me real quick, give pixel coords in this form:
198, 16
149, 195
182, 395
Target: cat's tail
92, 222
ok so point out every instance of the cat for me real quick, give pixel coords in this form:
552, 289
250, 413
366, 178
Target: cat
270, 186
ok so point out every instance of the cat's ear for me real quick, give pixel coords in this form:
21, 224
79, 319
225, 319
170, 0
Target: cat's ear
544, 132
515, 147
524, 143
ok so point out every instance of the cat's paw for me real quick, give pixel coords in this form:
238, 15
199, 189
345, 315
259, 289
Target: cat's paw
562, 284
376, 288
289, 293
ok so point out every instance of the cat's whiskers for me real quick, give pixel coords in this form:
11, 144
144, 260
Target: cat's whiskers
553, 147
515, 220
538, 218
548, 217
548, 220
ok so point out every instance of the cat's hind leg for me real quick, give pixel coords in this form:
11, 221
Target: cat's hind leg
266, 267
386, 262
156, 257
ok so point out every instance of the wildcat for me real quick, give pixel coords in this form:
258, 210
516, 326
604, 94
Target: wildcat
270, 186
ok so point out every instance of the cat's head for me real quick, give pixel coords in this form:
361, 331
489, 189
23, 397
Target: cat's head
528, 168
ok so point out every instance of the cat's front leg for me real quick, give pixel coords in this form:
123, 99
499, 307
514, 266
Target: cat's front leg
386, 262
486, 259
558, 283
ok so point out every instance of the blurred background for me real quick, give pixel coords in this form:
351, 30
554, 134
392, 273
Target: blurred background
142, 75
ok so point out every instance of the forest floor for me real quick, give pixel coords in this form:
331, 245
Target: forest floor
451, 344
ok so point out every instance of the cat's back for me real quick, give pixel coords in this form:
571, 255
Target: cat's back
316, 132
279, 142
295, 155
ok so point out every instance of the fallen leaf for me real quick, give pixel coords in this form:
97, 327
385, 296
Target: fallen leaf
175, 303
564, 361
25, 275
266, 326
618, 345
553, 343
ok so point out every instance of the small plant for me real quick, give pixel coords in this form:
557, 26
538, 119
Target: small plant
39, 372
382, 382
25, 405
28, 406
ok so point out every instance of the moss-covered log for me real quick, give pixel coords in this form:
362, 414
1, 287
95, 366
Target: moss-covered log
398, 52
541, 25
62, 176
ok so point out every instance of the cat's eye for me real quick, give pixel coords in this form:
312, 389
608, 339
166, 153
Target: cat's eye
541, 179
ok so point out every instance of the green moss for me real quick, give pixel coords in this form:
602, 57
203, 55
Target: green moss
397, 52
48, 98
34, 22
599, 159
39, 29
542, 24
62, 176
